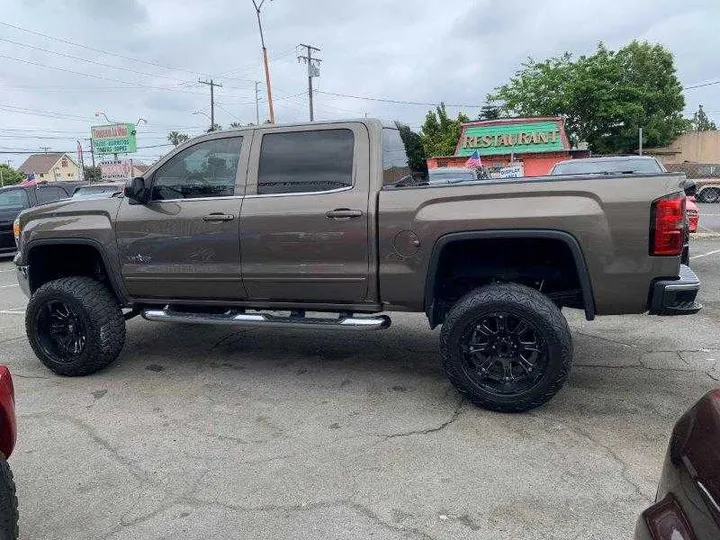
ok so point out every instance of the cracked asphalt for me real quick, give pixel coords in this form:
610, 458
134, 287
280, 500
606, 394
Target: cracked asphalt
202, 432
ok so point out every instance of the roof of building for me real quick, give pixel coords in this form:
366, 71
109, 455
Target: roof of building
42, 163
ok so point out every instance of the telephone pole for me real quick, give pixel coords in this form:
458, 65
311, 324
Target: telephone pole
45, 148
271, 110
257, 104
212, 84
313, 65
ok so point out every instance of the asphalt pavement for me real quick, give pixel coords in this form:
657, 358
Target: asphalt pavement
203, 432
709, 218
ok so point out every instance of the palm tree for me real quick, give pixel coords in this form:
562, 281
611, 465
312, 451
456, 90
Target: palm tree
236, 125
176, 138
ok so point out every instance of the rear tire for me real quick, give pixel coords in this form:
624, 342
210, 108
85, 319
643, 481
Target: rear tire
506, 347
709, 195
75, 326
8, 503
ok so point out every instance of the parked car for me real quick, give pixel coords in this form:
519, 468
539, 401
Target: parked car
693, 214
15, 199
8, 434
687, 503
241, 227
99, 191
451, 175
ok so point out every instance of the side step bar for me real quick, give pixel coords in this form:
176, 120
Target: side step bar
234, 318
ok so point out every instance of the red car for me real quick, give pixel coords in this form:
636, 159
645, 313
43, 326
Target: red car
693, 214
8, 433
688, 497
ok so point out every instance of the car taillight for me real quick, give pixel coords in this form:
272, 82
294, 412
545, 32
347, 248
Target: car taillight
666, 521
668, 226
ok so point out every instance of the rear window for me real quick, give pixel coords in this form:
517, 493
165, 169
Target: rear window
620, 166
403, 158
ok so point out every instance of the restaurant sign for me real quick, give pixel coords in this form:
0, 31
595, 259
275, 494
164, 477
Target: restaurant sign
511, 137
114, 139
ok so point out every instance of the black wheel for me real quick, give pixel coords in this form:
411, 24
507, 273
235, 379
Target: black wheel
709, 195
75, 326
8, 503
506, 347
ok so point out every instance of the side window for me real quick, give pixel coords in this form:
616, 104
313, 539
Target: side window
48, 194
206, 169
14, 199
306, 161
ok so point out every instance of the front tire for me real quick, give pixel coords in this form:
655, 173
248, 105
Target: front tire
75, 326
506, 347
8, 503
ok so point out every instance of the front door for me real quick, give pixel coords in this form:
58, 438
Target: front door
184, 243
304, 222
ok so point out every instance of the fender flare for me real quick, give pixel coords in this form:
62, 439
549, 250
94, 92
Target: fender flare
115, 283
569, 240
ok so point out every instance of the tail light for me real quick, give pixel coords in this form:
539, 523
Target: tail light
666, 521
667, 228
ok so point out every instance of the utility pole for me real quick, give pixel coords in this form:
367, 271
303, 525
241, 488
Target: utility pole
313, 71
257, 104
45, 148
271, 110
212, 84
640, 141
92, 151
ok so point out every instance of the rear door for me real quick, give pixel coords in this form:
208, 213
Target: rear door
304, 222
184, 243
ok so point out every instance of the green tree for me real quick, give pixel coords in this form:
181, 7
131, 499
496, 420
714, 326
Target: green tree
236, 125
440, 133
175, 138
10, 176
604, 98
413, 148
701, 122
215, 127
92, 174
489, 112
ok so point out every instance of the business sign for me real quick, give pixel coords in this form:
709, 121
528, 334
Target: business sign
116, 170
511, 171
498, 137
114, 139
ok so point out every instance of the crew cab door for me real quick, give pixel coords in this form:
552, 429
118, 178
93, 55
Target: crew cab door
304, 221
184, 243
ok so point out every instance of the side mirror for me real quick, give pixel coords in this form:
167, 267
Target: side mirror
135, 190
689, 187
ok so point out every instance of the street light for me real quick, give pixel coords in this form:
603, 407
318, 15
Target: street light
98, 114
212, 126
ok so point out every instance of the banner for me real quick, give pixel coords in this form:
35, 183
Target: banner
116, 170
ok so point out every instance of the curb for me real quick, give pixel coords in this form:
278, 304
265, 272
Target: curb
705, 235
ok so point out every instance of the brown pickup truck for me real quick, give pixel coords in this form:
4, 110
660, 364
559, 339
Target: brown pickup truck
327, 225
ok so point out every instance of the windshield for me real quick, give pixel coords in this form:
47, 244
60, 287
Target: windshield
95, 192
15, 199
609, 166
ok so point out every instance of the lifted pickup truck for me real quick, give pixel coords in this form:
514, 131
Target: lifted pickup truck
266, 225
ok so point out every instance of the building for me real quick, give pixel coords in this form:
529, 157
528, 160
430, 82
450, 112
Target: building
532, 146
693, 146
51, 167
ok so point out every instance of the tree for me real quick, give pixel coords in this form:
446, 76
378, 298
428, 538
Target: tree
489, 112
235, 125
215, 127
93, 174
604, 98
413, 148
440, 133
701, 122
10, 176
176, 138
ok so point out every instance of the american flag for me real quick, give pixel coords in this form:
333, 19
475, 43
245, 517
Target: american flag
474, 160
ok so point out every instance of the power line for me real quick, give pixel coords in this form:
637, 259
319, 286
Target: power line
701, 85
399, 101
61, 40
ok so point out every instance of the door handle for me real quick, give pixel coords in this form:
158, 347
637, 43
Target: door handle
343, 213
218, 217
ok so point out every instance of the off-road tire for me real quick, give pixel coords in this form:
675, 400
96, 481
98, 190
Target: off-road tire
521, 301
709, 195
8, 503
99, 311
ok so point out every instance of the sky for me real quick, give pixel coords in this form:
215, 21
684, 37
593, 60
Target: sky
133, 59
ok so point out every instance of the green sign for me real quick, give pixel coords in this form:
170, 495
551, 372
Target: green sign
516, 138
114, 139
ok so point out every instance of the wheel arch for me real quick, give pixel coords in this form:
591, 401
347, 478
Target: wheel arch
97, 247
511, 234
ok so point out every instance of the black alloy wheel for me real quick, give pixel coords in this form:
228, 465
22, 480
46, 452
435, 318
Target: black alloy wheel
62, 333
503, 353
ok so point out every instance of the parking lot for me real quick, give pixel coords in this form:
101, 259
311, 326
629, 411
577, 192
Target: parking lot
203, 432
